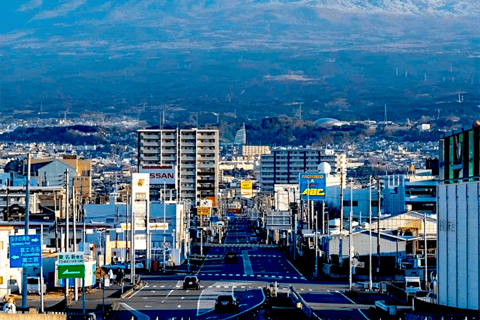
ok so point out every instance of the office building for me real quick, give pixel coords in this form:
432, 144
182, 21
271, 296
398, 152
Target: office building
459, 220
283, 165
194, 154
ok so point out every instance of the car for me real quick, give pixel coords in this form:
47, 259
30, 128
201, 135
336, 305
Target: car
230, 257
138, 265
33, 285
191, 282
226, 302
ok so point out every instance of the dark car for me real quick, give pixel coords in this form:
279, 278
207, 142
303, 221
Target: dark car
226, 302
230, 257
191, 282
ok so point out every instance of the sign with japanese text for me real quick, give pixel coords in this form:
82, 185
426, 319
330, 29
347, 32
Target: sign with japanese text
70, 258
246, 189
25, 251
203, 211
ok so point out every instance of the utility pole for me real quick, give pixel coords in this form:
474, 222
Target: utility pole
379, 193
126, 226
316, 243
74, 211
350, 247
341, 200
164, 223
27, 227
425, 244
370, 285
67, 227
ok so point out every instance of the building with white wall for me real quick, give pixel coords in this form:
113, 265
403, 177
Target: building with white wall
458, 265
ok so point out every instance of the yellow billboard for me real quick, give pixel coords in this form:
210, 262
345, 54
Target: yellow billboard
203, 211
246, 189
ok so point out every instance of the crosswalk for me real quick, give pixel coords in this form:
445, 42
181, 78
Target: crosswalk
247, 245
253, 276
219, 256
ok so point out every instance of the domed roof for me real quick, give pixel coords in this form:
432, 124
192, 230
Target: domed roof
328, 122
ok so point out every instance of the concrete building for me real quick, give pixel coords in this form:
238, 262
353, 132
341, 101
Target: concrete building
252, 151
50, 172
458, 268
176, 237
283, 165
193, 151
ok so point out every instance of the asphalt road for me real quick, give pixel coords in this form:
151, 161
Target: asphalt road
256, 266
167, 299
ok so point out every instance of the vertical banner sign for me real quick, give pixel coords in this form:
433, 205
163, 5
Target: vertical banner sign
246, 189
140, 205
140, 194
25, 251
313, 186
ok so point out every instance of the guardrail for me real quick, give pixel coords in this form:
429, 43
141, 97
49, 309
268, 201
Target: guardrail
300, 303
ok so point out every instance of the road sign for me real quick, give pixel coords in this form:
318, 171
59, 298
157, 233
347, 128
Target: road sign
99, 273
313, 186
72, 271
25, 251
71, 258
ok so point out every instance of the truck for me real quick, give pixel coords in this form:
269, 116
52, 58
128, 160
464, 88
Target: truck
412, 285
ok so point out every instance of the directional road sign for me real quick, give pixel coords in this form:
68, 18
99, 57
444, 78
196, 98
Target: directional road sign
25, 251
72, 271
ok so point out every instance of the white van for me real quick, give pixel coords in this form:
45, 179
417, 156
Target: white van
33, 285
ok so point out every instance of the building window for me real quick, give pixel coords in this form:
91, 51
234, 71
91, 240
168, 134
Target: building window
346, 203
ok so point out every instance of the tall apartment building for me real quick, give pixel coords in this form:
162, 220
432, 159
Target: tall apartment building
194, 152
283, 165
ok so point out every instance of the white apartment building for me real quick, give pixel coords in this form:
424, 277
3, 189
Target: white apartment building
193, 151
283, 165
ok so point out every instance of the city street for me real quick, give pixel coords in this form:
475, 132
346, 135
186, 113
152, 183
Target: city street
256, 266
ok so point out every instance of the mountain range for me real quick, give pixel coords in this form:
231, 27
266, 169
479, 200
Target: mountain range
78, 55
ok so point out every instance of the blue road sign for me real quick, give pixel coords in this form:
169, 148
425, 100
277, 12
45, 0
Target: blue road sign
25, 251
313, 186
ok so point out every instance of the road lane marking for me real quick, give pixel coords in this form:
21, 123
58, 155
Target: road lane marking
168, 295
136, 313
247, 264
361, 312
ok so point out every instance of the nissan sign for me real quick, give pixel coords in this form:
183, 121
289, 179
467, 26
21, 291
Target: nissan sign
161, 174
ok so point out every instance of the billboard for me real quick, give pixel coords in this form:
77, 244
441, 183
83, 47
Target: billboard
313, 186
203, 211
160, 173
246, 189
